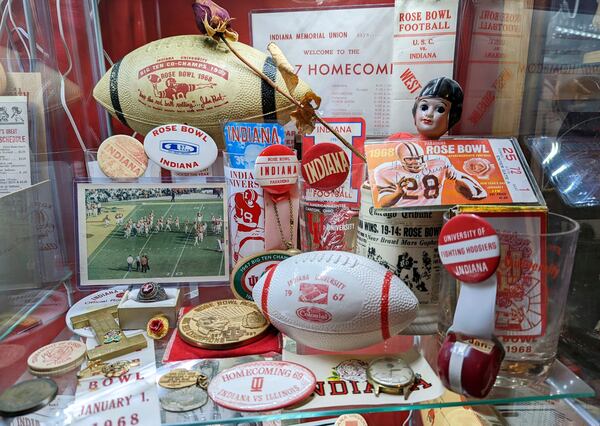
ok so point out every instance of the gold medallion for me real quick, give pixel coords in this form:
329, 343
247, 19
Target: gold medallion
178, 378
119, 368
223, 324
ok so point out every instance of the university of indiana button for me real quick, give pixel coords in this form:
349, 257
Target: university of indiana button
469, 248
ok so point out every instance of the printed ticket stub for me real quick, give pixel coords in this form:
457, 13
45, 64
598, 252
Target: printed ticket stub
244, 141
493, 74
449, 172
345, 53
129, 400
15, 167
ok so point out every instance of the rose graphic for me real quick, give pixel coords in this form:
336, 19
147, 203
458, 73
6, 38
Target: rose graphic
479, 167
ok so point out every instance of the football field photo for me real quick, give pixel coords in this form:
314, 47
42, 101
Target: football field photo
135, 233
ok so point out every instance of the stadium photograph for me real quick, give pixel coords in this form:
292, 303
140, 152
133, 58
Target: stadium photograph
167, 233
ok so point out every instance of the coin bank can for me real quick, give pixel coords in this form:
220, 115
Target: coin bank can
406, 244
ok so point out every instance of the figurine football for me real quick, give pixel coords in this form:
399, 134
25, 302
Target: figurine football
335, 301
195, 80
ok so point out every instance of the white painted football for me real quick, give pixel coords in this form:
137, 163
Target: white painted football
193, 80
335, 301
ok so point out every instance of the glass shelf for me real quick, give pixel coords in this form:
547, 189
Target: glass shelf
561, 383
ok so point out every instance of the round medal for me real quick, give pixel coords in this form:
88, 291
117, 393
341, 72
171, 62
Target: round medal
248, 271
58, 357
223, 324
179, 378
27, 397
184, 399
122, 156
276, 169
325, 166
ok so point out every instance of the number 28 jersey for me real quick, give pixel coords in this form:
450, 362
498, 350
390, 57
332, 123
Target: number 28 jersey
423, 188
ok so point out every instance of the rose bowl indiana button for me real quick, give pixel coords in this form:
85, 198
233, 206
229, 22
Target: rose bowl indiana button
469, 248
276, 169
180, 148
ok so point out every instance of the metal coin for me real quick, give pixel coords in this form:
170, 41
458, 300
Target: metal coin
57, 356
223, 324
27, 397
179, 378
185, 399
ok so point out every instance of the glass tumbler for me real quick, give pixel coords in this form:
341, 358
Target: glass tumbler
533, 282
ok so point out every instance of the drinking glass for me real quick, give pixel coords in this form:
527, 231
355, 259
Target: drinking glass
533, 282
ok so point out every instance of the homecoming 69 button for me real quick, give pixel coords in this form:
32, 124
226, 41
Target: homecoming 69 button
469, 248
262, 386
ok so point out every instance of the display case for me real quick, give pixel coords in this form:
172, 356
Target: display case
202, 228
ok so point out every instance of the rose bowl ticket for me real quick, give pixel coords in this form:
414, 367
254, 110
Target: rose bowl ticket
449, 171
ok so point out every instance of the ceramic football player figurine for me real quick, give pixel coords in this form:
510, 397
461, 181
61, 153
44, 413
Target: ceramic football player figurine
438, 107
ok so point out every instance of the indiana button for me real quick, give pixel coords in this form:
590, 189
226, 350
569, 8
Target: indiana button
325, 166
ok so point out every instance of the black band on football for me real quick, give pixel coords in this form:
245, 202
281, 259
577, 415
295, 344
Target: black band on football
267, 92
114, 92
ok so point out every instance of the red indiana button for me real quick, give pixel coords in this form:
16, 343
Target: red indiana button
469, 248
325, 166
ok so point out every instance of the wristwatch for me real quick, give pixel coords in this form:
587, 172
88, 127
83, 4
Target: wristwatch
391, 375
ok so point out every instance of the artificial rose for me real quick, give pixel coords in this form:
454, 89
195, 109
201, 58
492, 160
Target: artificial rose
213, 21
156, 326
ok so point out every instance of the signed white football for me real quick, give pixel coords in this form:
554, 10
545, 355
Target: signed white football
193, 80
335, 301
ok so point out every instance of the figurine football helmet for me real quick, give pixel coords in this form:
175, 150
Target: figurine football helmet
411, 156
445, 88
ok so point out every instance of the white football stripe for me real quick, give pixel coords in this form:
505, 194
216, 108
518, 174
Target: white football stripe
455, 365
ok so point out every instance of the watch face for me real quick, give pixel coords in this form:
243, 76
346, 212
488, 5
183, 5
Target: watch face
391, 372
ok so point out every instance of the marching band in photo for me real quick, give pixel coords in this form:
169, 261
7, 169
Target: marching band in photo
135, 233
